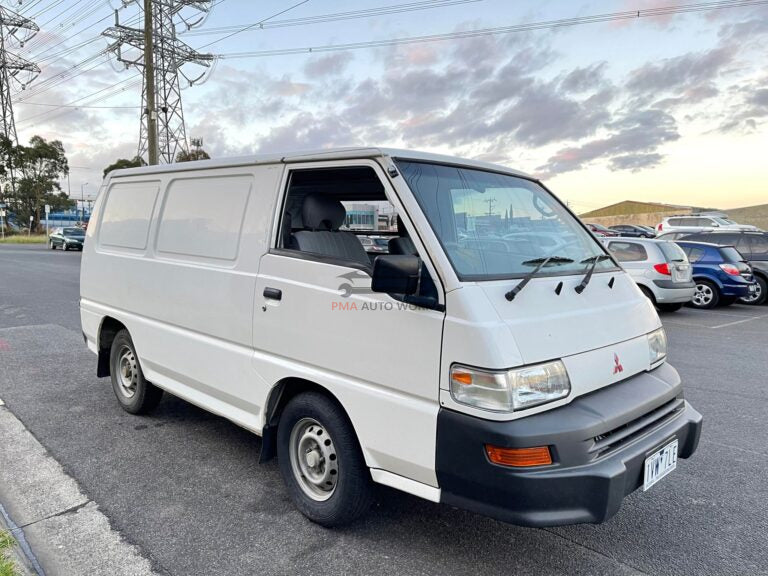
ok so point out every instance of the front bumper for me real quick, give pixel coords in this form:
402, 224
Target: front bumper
599, 443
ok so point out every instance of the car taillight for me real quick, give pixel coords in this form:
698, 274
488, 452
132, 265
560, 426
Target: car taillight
662, 268
730, 269
660, 227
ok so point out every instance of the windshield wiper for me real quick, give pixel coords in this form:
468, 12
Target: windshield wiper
594, 260
540, 263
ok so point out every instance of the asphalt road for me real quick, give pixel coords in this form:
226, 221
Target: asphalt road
185, 486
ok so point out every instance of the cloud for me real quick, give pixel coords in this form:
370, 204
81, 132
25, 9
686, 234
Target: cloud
631, 144
748, 109
690, 76
307, 131
323, 66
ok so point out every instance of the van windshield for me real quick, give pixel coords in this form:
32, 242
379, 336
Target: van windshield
497, 226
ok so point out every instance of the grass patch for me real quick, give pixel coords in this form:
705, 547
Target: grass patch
24, 239
7, 568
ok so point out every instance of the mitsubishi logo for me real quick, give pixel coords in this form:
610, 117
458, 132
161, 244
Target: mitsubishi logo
617, 367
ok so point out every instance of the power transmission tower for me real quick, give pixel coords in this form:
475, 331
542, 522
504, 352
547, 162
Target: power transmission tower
163, 69
14, 28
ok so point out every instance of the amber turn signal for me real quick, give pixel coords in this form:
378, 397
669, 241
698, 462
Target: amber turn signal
519, 457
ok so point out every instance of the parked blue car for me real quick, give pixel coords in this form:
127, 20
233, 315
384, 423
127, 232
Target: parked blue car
721, 274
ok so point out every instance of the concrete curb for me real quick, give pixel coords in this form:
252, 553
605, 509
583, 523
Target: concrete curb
66, 530
23, 559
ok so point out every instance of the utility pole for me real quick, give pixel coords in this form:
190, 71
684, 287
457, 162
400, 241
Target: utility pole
164, 58
12, 26
149, 82
13, 69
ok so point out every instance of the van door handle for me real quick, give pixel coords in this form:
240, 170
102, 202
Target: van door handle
273, 293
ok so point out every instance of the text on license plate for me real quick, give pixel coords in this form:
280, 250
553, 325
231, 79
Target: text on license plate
659, 464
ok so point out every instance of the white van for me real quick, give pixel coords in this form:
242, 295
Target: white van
470, 365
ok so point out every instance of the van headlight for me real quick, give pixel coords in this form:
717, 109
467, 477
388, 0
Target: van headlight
510, 390
657, 346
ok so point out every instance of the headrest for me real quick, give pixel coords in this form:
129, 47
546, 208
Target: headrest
319, 212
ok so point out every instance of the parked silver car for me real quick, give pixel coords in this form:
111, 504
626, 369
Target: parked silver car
660, 269
693, 223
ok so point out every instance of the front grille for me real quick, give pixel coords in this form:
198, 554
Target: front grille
613, 439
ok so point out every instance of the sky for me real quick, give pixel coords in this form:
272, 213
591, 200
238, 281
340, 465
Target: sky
667, 109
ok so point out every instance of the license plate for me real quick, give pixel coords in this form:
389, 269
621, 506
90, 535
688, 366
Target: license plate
680, 275
659, 464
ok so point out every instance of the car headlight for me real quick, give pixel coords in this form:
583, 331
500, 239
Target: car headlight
657, 346
510, 390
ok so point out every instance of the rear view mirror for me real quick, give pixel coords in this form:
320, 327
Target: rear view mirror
396, 274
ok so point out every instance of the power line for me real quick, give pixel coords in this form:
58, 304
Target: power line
527, 27
78, 106
111, 89
334, 17
251, 26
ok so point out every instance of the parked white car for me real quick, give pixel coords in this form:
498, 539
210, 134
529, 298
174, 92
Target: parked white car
699, 223
525, 383
660, 268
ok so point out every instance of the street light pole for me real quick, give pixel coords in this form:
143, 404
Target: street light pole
82, 200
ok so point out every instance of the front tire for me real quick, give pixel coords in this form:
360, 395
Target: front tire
321, 461
760, 296
133, 392
64, 247
51, 245
707, 295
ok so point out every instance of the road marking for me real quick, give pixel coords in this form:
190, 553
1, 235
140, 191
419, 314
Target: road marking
710, 312
677, 323
739, 322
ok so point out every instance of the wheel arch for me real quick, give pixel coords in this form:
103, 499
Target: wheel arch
279, 396
711, 279
107, 331
647, 292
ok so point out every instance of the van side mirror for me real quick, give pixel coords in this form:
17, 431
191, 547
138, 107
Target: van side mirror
396, 274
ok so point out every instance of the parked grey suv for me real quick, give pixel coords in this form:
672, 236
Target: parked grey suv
659, 268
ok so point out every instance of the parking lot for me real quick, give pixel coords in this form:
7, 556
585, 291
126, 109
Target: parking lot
185, 486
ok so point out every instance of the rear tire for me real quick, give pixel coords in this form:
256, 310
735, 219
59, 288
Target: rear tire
707, 295
133, 392
669, 307
321, 461
762, 293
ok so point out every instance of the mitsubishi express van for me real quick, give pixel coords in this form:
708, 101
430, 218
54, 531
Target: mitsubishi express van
470, 364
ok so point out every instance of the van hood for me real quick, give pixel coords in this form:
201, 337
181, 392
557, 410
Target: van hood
546, 325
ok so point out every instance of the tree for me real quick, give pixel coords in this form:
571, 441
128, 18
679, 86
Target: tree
36, 170
134, 162
191, 155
